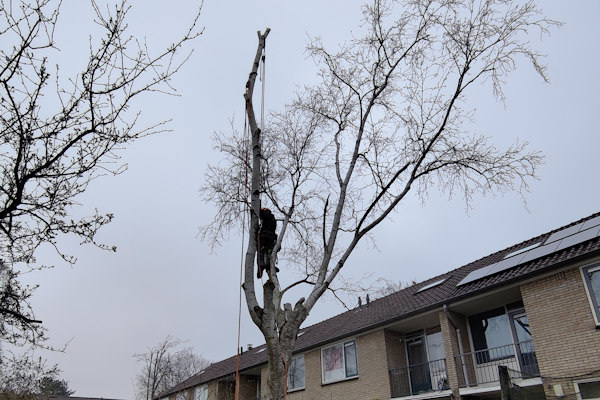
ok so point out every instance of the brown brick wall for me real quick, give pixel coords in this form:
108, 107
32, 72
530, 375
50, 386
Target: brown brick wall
566, 340
226, 391
216, 391
213, 390
395, 349
264, 375
456, 376
248, 387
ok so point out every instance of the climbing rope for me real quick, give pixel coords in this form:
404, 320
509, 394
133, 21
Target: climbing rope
237, 362
246, 141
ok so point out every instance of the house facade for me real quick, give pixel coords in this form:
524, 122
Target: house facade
532, 309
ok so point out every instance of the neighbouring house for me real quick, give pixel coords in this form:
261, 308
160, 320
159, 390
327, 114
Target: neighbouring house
533, 307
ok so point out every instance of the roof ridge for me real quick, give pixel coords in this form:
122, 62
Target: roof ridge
539, 237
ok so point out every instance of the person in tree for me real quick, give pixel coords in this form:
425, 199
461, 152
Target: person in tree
266, 241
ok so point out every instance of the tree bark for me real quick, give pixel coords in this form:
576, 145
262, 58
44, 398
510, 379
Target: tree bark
278, 325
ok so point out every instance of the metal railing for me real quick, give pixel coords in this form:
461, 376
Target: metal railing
419, 378
481, 367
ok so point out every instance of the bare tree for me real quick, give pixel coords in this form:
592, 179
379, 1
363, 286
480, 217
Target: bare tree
163, 367
390, 116
57, 135
24, 376
17, 322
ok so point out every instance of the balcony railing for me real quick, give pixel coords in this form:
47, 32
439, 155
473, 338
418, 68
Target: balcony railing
481, 367
419, 378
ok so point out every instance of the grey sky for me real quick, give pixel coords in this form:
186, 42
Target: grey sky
163, 281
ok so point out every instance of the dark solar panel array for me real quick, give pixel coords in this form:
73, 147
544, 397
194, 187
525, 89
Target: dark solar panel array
562, 239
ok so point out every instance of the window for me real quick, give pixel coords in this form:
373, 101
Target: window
523, 250
492, 338
591, 275
435, 346
433, 284
296, 373
339, 362
201, 393
588, 389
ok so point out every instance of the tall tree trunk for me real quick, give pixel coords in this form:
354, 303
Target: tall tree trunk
276, 380
278, 325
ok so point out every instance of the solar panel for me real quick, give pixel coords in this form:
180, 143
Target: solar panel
523, 250
540, 251
475, 275
579, 237
562, 239
564, 233
506, 264
591, 222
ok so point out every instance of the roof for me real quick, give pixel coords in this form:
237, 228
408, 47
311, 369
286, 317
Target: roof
432, 293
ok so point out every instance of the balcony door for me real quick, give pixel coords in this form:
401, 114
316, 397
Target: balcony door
437, 361
502, 337
524, 346
420, 380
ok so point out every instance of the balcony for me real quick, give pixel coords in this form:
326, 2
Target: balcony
481, 367
419, 378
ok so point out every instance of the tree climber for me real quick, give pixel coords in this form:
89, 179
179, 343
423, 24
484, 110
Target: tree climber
266, 241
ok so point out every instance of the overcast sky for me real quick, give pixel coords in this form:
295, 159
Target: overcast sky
164, 281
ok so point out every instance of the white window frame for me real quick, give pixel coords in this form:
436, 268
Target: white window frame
343, 345
577, 392
292, 362
585, 271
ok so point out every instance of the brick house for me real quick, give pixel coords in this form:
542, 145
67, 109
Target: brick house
533, 307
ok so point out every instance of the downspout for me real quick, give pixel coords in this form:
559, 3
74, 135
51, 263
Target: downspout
460, 344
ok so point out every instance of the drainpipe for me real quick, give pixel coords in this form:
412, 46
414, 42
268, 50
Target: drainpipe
460, 344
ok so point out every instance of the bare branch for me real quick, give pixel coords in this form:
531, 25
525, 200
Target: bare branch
389, 117
53, 145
